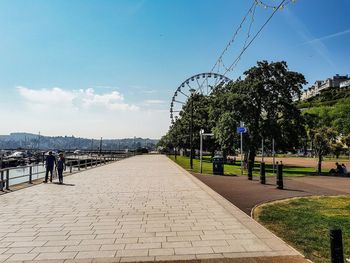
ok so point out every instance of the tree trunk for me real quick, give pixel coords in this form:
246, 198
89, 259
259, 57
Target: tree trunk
319, 165
224, 155
251, 156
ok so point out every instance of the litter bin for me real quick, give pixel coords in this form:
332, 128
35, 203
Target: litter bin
218, 165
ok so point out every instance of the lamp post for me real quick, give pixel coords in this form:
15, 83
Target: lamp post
201, 134
193, 91
201, 148
101, 146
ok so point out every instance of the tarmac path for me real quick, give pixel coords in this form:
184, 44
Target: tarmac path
144, 208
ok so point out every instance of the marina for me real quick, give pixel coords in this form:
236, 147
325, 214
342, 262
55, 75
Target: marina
35, 169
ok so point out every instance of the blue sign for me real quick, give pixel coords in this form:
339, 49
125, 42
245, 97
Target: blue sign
242, 129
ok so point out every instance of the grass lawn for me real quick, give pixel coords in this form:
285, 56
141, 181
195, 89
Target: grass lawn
304, 223
235, 169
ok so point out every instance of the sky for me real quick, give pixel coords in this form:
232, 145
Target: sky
108, 68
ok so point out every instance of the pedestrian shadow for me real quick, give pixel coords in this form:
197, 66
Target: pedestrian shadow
64, 184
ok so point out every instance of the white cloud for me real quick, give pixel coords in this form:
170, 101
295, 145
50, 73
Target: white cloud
83, 113
78, 99
154, 101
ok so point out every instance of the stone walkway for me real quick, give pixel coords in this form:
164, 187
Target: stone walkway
143, 208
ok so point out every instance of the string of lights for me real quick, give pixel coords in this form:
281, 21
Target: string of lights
233, 38
274, 7
255, 36
252, 14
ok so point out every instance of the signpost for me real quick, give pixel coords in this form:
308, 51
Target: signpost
242, 130
201, 134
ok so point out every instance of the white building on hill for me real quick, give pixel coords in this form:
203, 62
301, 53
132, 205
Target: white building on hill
336, 81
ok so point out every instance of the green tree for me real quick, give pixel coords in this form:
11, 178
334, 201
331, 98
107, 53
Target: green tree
264, 101
311, 122
322, 141
346, 140
336, 148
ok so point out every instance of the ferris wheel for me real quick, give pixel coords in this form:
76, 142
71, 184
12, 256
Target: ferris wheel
202, 83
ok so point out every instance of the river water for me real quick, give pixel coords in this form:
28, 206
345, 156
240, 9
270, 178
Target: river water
38, 172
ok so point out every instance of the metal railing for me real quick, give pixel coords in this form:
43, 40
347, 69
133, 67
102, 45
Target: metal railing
7, 177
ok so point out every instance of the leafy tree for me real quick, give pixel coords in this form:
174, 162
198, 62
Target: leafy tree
346, 140
223, 132
225, 114
336, 148
264, 101
311, 122
322, 141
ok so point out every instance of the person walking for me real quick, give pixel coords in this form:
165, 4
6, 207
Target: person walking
49, 164
61, 165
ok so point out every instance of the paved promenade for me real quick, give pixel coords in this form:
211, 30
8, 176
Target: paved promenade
143, 208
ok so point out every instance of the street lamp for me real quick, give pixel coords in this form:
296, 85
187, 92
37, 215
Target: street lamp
201, 134
193, 91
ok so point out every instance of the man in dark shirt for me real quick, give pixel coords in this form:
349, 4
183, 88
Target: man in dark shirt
339, 168
50, 164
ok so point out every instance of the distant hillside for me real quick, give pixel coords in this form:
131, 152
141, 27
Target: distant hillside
330, 109
34, 141
326, 98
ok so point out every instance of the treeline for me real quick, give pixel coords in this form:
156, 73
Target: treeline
32, 141
265, 100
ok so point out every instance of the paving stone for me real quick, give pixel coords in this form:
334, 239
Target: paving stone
22, 256
137, 259
96, 254
82, 248
60, 255
132, 253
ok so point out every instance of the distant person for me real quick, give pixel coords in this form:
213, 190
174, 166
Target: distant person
61, 165
345, 170
339, 169
49, 164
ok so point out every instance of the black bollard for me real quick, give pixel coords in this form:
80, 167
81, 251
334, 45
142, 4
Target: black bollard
335, 236
262, 173
250, 170
279, 180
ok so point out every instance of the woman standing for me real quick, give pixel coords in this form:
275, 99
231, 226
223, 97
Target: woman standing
61, 163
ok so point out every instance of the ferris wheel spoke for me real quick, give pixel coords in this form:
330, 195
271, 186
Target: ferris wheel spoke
183, 93
191, 88
207, 85
180, 102
199, 86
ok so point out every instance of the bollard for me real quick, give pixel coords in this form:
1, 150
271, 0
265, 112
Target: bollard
78, 164
86, 163
30, 174
336, 241
71, 167
262, 173
7, 179
104, 160
279, 178
250, 170
2, 181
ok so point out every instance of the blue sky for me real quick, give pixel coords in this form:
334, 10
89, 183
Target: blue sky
109, 68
